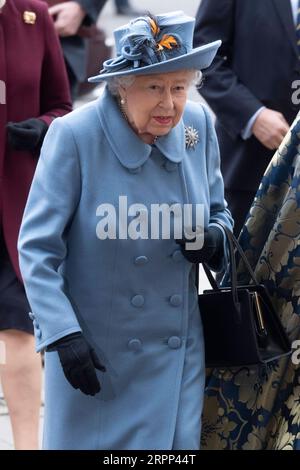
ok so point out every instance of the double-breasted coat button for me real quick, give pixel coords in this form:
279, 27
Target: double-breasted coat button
176, 300
139, 260
170, 166
177, 256
138, 300
174, 342
135, 344
178, 207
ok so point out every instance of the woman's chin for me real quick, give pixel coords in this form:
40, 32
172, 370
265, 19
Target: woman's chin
160, 131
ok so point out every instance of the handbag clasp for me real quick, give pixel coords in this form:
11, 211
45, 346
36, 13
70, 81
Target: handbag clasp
260, 319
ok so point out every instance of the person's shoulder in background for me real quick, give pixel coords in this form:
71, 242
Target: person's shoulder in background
30, 5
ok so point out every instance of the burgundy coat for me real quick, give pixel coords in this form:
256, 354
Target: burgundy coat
36, 85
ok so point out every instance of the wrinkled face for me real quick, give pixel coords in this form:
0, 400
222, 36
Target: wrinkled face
155, 103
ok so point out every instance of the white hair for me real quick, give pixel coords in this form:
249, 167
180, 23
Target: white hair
115, 83
197, 78
126, 81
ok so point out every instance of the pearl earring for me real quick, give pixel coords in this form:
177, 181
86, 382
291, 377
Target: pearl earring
122, 101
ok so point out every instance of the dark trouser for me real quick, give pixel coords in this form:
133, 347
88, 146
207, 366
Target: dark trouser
122, 3
73, 82
239, 203
14, 306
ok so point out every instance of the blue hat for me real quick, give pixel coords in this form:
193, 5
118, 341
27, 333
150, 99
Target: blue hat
157, 44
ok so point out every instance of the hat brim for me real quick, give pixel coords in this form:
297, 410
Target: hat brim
199, 58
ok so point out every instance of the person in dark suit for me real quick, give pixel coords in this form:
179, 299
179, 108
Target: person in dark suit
124, 7
250, 87
68, 17
36, 92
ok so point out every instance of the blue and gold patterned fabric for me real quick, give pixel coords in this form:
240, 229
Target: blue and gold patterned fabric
259, 408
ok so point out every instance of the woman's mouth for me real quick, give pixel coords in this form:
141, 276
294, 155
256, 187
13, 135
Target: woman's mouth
163, 120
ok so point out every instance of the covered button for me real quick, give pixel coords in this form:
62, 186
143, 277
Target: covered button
38, 333
135, 344
170, 166
139, 260
177, 256
138, 300
176, 300
174, 342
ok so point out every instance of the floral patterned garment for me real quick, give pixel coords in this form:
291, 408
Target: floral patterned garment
259, 408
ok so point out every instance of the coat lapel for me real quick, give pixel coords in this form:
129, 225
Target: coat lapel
284, 10
131, 151
172, 145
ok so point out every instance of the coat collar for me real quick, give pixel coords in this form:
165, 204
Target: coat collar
128, 147
285, 15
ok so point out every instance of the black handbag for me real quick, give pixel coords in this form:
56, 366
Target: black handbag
240, 325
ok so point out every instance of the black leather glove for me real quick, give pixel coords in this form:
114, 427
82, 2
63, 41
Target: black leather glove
79, 362
26, 135
212, 251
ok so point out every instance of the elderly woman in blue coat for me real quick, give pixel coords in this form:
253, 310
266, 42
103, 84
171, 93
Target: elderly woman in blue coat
112, 292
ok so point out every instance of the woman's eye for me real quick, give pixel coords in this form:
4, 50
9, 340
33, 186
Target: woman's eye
154, 87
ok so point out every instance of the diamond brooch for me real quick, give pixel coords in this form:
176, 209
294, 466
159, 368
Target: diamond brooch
191, 137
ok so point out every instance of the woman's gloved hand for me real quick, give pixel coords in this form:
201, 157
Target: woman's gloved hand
212, 251
79, 362
26, 135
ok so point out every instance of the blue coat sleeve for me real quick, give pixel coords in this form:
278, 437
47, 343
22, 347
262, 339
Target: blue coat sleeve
218, 206
52, 201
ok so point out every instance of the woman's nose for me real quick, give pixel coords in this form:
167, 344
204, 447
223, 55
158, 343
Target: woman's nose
167, 100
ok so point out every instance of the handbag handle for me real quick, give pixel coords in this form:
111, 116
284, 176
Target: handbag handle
232, 244
241, 252
232, 264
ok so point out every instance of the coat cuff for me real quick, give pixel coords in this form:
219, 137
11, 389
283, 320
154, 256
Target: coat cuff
41, 345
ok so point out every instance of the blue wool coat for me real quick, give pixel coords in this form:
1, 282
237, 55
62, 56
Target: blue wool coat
134, 300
